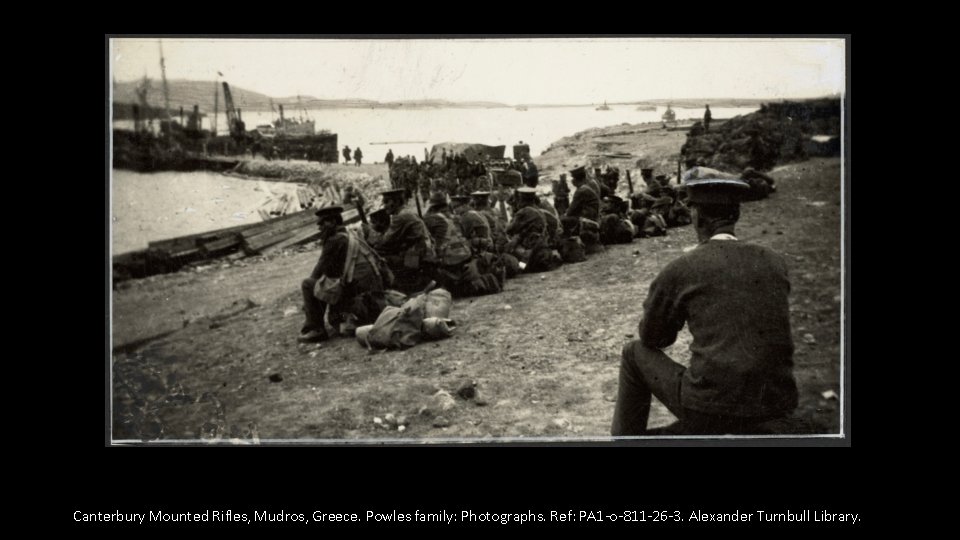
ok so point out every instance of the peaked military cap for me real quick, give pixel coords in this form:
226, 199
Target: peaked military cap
393, 193
328, 211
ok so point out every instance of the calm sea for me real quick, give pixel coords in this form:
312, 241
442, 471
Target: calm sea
408, 132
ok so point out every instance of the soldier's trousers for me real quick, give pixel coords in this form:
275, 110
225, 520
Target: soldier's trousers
646, 372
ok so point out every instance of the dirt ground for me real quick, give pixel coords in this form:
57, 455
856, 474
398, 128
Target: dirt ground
212, 353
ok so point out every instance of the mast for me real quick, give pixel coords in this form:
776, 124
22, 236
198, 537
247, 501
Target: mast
166, 89
216, 106
143, 120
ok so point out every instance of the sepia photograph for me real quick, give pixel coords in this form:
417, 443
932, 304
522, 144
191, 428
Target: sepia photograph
340, 240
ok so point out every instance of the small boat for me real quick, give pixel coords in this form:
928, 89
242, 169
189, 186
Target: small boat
669, 115
603, 107
521, 107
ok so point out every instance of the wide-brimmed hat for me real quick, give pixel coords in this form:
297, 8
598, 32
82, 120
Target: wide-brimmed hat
437, 198
710, 186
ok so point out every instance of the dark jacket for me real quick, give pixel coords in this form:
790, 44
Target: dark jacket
585, 203
526, 222
406, 231
475, 227
733, 298
333, 257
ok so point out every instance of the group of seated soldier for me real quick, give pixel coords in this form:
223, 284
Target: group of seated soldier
464, 245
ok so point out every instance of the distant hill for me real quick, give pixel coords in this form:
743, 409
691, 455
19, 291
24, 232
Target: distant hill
186, 94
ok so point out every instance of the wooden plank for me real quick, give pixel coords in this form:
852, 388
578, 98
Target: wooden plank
257, 244
278, 227
184, 253
300, 235
162, 244
227, 242
288, 220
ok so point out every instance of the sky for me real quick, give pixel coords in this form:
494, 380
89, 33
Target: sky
514, 71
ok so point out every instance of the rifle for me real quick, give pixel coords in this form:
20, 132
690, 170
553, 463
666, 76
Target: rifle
629, 182
363, 215
416, 197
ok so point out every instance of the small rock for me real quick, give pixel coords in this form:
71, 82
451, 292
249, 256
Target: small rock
561, 423
467, 390
389, 417
402, 420
377, 420
444, 401
635, 253
809, 277
506, 307
426, 412
514, 356
313, 354
830, 394
401, 428
610, 397
290, 311
440, 422
808, 338
276, 377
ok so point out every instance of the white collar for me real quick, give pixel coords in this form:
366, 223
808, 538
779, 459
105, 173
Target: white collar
723, 236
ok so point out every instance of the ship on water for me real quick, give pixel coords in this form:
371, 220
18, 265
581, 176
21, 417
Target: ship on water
188, 147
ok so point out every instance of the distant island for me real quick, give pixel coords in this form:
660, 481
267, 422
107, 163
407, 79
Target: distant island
187, 93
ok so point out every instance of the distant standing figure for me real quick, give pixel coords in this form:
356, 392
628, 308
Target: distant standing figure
389, 158
706, 120
358, 156
530, 175
346, 155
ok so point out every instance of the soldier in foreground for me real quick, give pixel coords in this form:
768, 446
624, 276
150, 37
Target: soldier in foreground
733, 297
351, 289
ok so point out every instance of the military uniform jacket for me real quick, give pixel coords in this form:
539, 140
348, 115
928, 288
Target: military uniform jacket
333, 257
733, 297
553, 229
406, 231
474, 225
497, 229
442, 229
585, 204
526, 222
